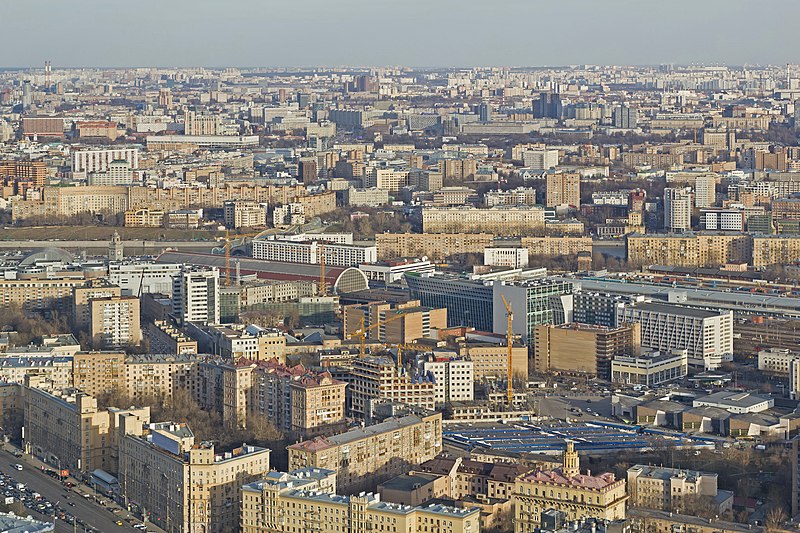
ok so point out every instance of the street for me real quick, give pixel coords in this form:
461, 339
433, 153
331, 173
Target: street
92, 514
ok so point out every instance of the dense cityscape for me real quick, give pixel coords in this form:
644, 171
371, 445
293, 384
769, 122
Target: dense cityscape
446, 300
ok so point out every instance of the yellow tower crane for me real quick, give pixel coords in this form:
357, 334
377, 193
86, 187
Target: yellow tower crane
323, 287
361, 332
228, 240
510, 348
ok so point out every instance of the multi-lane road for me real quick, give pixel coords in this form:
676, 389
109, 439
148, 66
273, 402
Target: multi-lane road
91, 514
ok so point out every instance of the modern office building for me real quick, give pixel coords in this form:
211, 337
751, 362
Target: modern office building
707, 336
468, 302
137, 278
650, 369
310, 252
582, 348
377, 379
532, 302
88, 160
705, 190
195, 295
453, 378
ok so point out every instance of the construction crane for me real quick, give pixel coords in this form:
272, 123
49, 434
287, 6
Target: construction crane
362, 331
400, 348
510, 348
228, 251
323, 287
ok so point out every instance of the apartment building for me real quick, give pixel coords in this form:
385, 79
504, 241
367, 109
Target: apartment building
67, 430
244, 214
435, 246
55, 371
300, 402
453, 378
70, 201
690, 249
582, 348
375, 379
33, 171
472, 478
115, 321
144, 218
775, 249
707, 336
185, 484
195, 295
158, 376
666, 489
650, 369
39, 294
303, 501
500, 220
165, 338
551, 246
678, 209
566, 489
364, 457
389, 179
249, 342
97, 373
310, 252
81, 300
563, 189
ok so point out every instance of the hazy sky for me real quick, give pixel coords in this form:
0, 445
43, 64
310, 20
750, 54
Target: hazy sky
396, 32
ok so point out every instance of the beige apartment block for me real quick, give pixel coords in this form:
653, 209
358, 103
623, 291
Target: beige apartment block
302, 501
436, 246
67, 429
115, 321
365, 457
185, 485
499, 220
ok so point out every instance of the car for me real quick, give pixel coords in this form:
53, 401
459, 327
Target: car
71, 504
18, 466
119, 522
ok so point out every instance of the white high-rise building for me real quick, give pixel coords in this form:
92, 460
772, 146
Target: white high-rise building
707, 336
677, 209
705, 190
85, 161
453, 379
540, 158
195, 295
138, 278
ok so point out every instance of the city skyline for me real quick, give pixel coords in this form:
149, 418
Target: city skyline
354, 32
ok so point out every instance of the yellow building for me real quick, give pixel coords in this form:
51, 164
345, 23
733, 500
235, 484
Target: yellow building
436, 246
81, 296
144, 218
491, 360
556, 246
157, 376
302, 501
775, 250
690, 249
365, 457
39, 294
115, 321
96, 373
563, 188
566, 489
67, 430
499, 220
183, 485
583, 348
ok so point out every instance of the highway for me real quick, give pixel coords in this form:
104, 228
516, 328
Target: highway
92, 514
